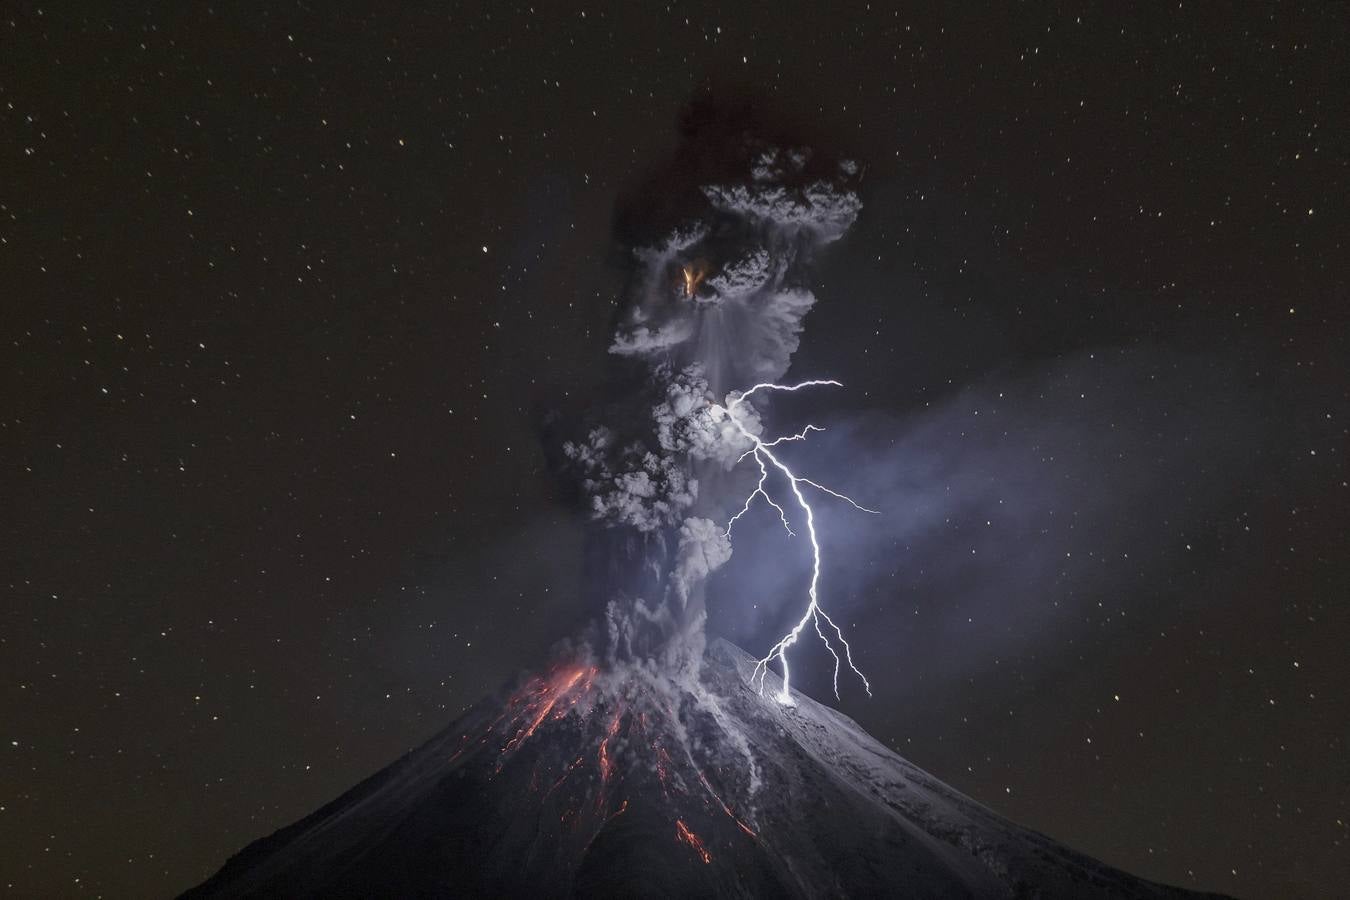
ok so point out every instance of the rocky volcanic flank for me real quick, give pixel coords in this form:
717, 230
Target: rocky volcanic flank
626, 783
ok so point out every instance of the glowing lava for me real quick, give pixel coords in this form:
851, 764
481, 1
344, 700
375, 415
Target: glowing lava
543, 700
682, 833
726, 809
813, 615
605, 761
632, 729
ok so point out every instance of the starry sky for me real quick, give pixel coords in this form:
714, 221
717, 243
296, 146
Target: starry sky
288, 293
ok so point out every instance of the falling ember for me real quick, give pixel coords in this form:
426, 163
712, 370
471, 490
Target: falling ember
683, 834
693, 274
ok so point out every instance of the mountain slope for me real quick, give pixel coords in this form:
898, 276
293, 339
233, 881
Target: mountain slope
626, 783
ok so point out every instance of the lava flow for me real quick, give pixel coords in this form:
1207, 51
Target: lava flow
682, 833
621, 733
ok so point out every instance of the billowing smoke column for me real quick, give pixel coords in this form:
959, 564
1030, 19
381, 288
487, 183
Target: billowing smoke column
634, 729
714, 314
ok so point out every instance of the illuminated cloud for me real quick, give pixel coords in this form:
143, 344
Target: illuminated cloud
755, 236
715, 304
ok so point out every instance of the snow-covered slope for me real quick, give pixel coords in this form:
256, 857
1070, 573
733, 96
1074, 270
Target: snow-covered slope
627, 784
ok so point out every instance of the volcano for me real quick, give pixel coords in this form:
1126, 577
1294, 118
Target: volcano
626, 781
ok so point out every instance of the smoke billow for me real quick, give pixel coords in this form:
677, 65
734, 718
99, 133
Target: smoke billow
715, 302
739, 319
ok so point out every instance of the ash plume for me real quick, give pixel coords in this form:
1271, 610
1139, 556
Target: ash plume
716, 299
646, 760
753, 240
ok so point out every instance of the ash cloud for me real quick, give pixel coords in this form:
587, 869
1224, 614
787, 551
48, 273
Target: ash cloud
718, 252
703, 548
629, 484
755, 237
1027, 506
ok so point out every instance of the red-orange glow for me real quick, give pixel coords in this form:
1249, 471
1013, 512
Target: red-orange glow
464, 743
511, 704
566, 772
693, 274
548, 696
726, 809
682, 833
663, 764
606, 764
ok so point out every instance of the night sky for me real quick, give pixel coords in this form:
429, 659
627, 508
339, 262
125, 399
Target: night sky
289, 294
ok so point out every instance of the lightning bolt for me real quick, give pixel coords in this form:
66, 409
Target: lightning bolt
814, 615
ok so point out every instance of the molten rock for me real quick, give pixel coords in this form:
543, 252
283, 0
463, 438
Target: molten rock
627, 783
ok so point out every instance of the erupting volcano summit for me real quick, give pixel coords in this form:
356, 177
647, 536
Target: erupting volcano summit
646, 762
590, 783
